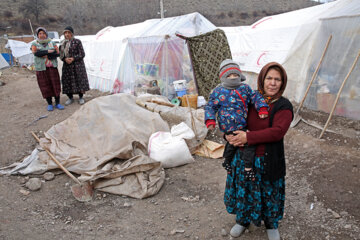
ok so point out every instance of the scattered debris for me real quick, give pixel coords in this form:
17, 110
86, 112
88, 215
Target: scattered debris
223, 232
41, 117
24, 192
174, 231
191, 198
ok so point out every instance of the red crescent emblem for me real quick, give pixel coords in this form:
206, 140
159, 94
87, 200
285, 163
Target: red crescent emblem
259, 58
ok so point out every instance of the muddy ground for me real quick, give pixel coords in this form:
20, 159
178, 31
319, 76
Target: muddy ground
322, 194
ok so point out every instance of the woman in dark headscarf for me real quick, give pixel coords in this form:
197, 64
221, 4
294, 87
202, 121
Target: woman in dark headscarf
45, 59
262, 199
74, 78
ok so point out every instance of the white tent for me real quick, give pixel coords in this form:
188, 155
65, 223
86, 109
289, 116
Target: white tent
21, 51
297, 39
122, 59
3, 62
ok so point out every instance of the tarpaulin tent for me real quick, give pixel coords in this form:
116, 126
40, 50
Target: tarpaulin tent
3, 62
297, 40
21, 51
121, 59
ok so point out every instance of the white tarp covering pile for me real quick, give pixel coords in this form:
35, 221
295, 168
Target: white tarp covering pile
21, 51
297, 39
106, 142
121, 59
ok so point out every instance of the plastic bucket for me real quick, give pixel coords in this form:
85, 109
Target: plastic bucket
179, 85
191, 100
181, 93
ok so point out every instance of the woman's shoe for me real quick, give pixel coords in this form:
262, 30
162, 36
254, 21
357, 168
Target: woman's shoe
59, 106
81, 101
50, 108
237, 230
69, 101
273, 234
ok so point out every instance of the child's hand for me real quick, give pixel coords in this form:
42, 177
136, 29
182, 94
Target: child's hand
263, 115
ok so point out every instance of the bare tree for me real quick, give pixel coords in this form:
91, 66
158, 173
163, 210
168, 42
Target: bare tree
77, 14
33, 7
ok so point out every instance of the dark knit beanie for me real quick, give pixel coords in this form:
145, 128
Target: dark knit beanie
229, 66
68, 28
41, 29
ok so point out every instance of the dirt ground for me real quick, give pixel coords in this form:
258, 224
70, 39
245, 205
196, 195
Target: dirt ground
322, 194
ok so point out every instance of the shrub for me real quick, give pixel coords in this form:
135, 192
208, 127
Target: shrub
52, 19
8, 14
244, 15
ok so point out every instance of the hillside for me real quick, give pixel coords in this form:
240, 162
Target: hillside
88, 17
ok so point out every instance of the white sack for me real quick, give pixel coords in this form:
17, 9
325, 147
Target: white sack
170, 148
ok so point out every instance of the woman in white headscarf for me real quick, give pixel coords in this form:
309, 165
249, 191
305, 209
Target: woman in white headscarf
45, 59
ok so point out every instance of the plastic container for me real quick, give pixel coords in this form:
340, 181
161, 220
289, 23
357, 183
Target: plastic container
179, 85
201, 101
181, 93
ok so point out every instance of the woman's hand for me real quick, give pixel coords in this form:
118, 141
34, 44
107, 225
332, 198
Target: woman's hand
51, 50
69, 60
238, 139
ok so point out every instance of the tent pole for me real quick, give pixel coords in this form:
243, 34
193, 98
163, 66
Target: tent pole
313, 76
338, 94
161, 9
31, 28
166, 66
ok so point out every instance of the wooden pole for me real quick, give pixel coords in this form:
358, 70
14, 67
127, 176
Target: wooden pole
338, 95
57, 162
313, 76
161, 9
31, 29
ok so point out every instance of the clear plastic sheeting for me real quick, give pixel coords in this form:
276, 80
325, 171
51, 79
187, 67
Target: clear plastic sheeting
164, 59
126, 58
297, 40
337, 63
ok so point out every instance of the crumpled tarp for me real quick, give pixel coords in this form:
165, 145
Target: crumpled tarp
105, 142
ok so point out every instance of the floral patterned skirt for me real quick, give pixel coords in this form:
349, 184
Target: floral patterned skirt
254, 201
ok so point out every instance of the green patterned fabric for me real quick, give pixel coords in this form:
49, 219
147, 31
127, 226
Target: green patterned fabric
207, 51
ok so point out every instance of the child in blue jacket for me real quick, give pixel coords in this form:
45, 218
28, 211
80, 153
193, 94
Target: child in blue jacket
230, 102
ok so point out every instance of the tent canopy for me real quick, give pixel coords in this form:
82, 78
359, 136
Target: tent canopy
123, 59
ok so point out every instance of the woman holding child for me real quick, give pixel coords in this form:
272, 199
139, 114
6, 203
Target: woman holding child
261, 199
